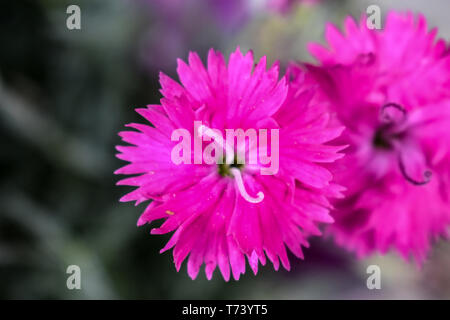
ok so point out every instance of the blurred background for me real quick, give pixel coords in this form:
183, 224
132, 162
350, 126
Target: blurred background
64, 95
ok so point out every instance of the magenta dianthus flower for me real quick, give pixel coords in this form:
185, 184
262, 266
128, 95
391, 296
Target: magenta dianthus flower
390, 88
224, 210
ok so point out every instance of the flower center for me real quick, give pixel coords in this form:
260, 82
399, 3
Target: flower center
380, 141
225, 168
385, 137
230, 168
392, 135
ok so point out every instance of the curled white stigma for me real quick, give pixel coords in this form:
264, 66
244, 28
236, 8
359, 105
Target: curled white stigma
204, 130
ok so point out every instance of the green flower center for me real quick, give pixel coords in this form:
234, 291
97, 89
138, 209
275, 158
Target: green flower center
225, 168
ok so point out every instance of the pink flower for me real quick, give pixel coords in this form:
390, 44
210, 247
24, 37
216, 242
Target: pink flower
391, 89
222, 213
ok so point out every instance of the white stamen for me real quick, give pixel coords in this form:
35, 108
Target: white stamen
204, 130
240, 185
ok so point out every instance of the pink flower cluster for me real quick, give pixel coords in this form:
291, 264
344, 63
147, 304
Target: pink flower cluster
381, 97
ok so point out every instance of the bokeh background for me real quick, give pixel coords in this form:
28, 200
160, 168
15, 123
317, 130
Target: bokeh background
64, 95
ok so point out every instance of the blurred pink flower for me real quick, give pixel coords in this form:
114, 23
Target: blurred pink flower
391, 89
175, 26
284, 6
228, 13
207, 205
